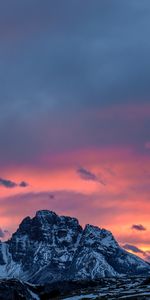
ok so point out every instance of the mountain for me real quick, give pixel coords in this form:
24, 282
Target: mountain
50, 248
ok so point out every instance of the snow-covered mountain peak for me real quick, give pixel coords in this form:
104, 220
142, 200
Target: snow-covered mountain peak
49, 247
101, 236
46, 214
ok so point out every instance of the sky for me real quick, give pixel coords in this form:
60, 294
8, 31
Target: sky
75, 114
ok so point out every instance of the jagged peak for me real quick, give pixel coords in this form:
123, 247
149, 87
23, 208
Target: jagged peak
44, 213
46, 224
45, 218
69, 220
24, 226
104, 236
98, 230
90, 228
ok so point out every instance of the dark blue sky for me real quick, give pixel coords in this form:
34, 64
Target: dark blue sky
63, 60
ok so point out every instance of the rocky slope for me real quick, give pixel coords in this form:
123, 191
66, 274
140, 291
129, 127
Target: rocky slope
50, 248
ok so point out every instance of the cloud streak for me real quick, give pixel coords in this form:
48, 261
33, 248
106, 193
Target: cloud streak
132, 248
138, 227
11, 184
144, 254
89, 176
7, 183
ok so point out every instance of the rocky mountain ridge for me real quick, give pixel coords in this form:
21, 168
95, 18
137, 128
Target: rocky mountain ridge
49, 248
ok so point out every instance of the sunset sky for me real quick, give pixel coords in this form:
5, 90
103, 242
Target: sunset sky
75, 114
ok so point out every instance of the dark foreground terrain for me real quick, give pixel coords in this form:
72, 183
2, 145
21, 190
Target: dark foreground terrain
125, 288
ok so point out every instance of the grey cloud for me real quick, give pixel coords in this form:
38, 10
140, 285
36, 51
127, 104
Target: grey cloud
132, 248
7, 183
10, 184
88, 175
138, 227
23, 184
